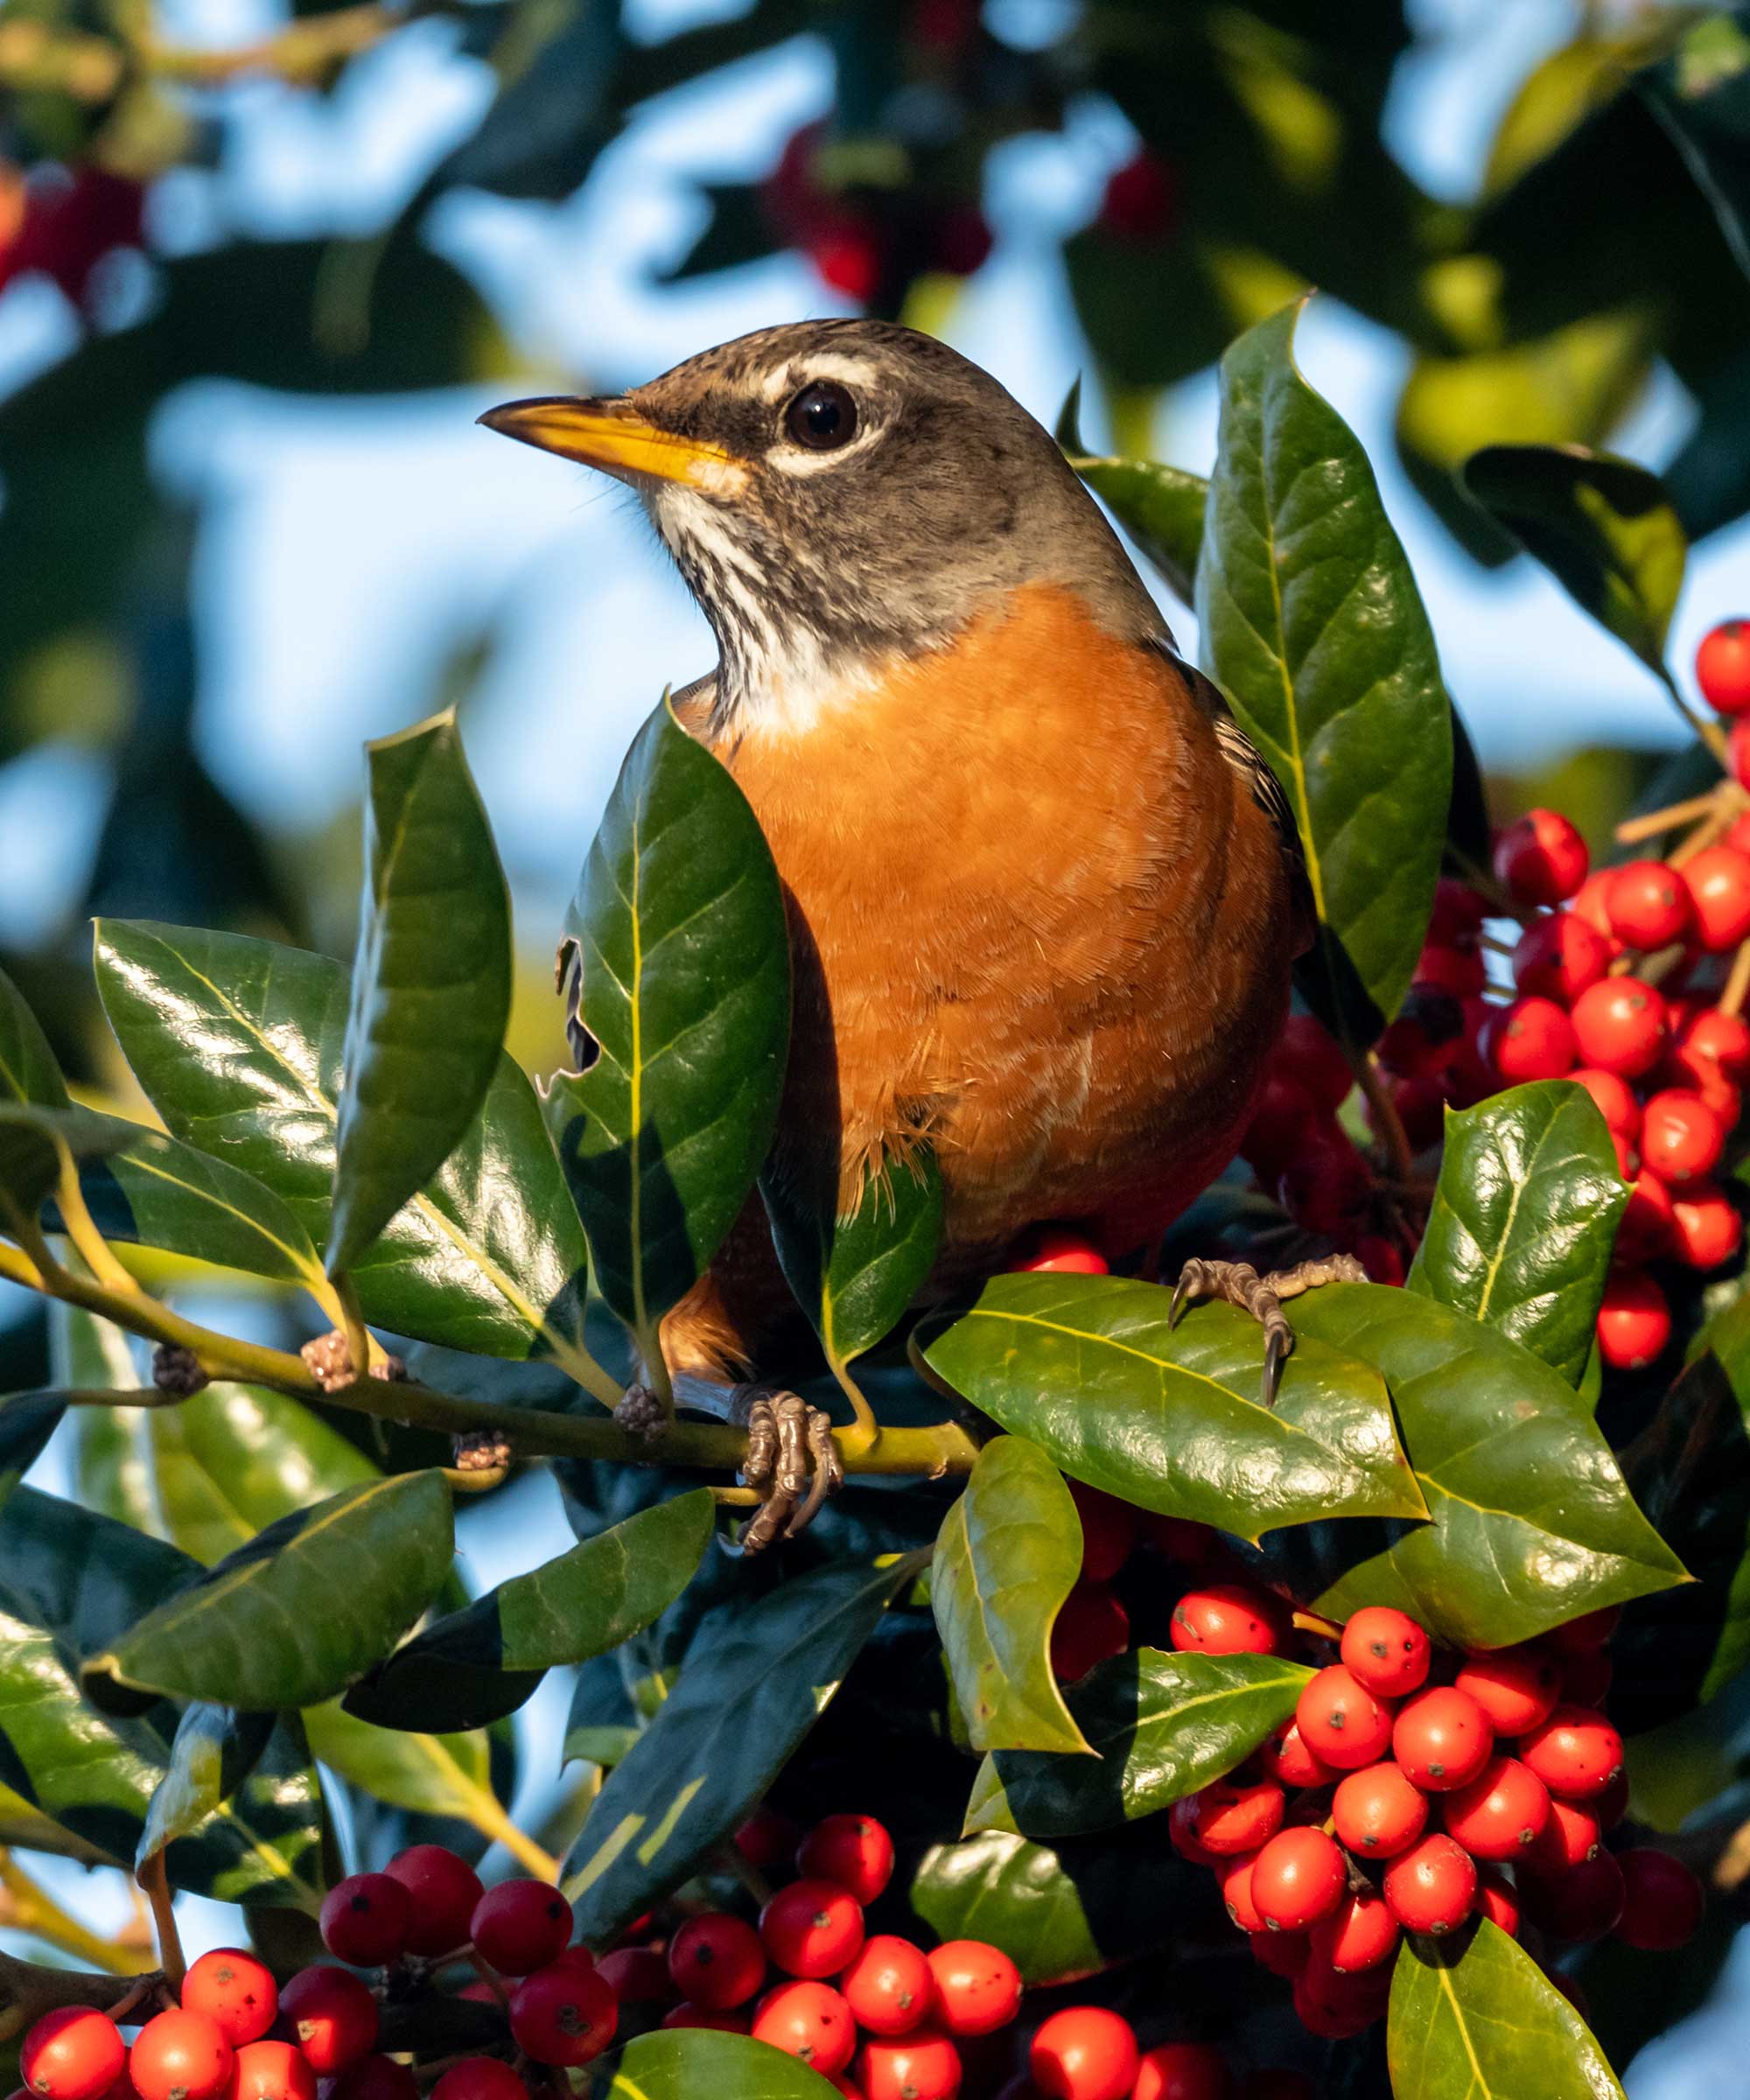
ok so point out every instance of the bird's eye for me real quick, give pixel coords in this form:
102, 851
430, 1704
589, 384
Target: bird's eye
822, 417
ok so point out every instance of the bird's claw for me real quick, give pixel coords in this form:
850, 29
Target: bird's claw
1261, 1296
792, 1463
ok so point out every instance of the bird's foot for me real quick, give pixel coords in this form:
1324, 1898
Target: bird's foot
1261, 1296
785, 1436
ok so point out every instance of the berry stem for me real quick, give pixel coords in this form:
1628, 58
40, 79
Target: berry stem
155, 1883
1386, 1119
26, 1906
1738, 982
1709, 733
1633, 829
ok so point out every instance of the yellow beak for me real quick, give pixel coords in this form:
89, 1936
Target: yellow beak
617, 440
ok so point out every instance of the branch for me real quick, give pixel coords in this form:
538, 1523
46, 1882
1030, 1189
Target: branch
27, 1990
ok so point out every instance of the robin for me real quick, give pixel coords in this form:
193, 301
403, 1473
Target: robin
1043, 895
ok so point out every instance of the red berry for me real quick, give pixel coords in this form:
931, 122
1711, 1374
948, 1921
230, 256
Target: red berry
1722, 1039
235, 1991
1663, 1901
521, 1925
1342, 1720
1681, 1137
1386, 1651
1092, 1625
1109, 1533
1234, 1814
1568, 1837
889, 1987
637, 1976
1557, 957
1498, 1901
1718, 879
1500, 1813
1182, 2070
1542, 859
768, 1839
1582, 1905
333, 2016
1181, 1830
1327, 1188
365, 1920
1705, 1227
1532, 1038
1633, 1322
809, 2020
444, 1890
977, 1987
1442, 1738
1649, 905
1612, 1805
274, 2070
376, 2078
1457, 918
1141, 203
1336, 2006
1588, 904
924, 2065
479, 2078
1235, 1878
1620, 1026
1575, 1751
1645, 1225
1515, 1687
1614, 1098
1722, 668
1287, 1759
1313, 1057
1298, 1878
1281, 1117
1431, 1887
1054, 1250
1383, 1264
1228, 1619
73, 2052
716, 1961
1378, 1812
1084, 2053
1585, 1678
811, 1929
181, 2056
1284, 1953
564, 2014
702, 2016
1458, 972
1360, 1934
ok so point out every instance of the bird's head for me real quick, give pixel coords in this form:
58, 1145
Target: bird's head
836, 492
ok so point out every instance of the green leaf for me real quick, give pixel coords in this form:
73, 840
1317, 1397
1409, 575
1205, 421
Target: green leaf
28, 1070
32, 1140
1161, 1725
685, 976
27, 1421
1009, 1553
1701, 93
1475, 2018
489, 1258
742, 1705
160, 1193
430, 994
1603, 526
294, 1616
856, 1277
478, 1664
439, 1775
1309, 619
1173, 1418
111, 1446
1531, 1523
681, 2064
1524, 1220
252, 1767
1161, 507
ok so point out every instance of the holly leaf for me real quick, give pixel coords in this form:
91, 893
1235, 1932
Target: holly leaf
448, 1777
1603, 526
1160, 1726
1473, 2018
431, 991
1008, 1554
1309, 619
296, 1614
1161, 507
1173, 1418
743, 1704
680, 2063
159, 1193
28, 1070
257, 1764
1524, 1220
478, 1664
1531, 1521
683, 966
239, 1044
1700, 92
33, 1142
27, 1421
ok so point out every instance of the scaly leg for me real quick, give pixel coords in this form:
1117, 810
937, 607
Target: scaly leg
1261, 1296
784, 1435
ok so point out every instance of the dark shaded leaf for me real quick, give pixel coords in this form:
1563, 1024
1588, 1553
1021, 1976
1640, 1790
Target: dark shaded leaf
32, 1142
1161, 507
680, 2064
1701, 93
28, 1070
254, 1767
27, 1421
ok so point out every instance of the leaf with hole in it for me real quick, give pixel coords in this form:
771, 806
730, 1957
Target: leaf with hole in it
1161, 507
1473, 2018
1603, 526
742, 1705
488, 1257
431, 990
681, 2064
297, 1613
1309, 619
684, 964
1161, 1725
1531, 1521
1009, 1553
1173, 1418
481, 1663
1524, 1220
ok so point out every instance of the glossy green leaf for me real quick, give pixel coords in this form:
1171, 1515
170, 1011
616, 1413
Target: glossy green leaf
681, 2064
856, 1277
440, 1776
1309, 619
1602, 526
27, 1421
1161, 1725
685, 990
1473, 2018
1173, 1418
489, 1258
1161, 507
253, 1766
1008, 1554
431, 993
1524, 1220
1701, 93
1531, 1522
28, 1070
478, 1664
298, 1612
743, 1704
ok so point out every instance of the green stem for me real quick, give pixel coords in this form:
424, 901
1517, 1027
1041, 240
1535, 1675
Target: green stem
1710, 731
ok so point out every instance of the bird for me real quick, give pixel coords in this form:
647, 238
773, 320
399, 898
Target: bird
1044, 897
